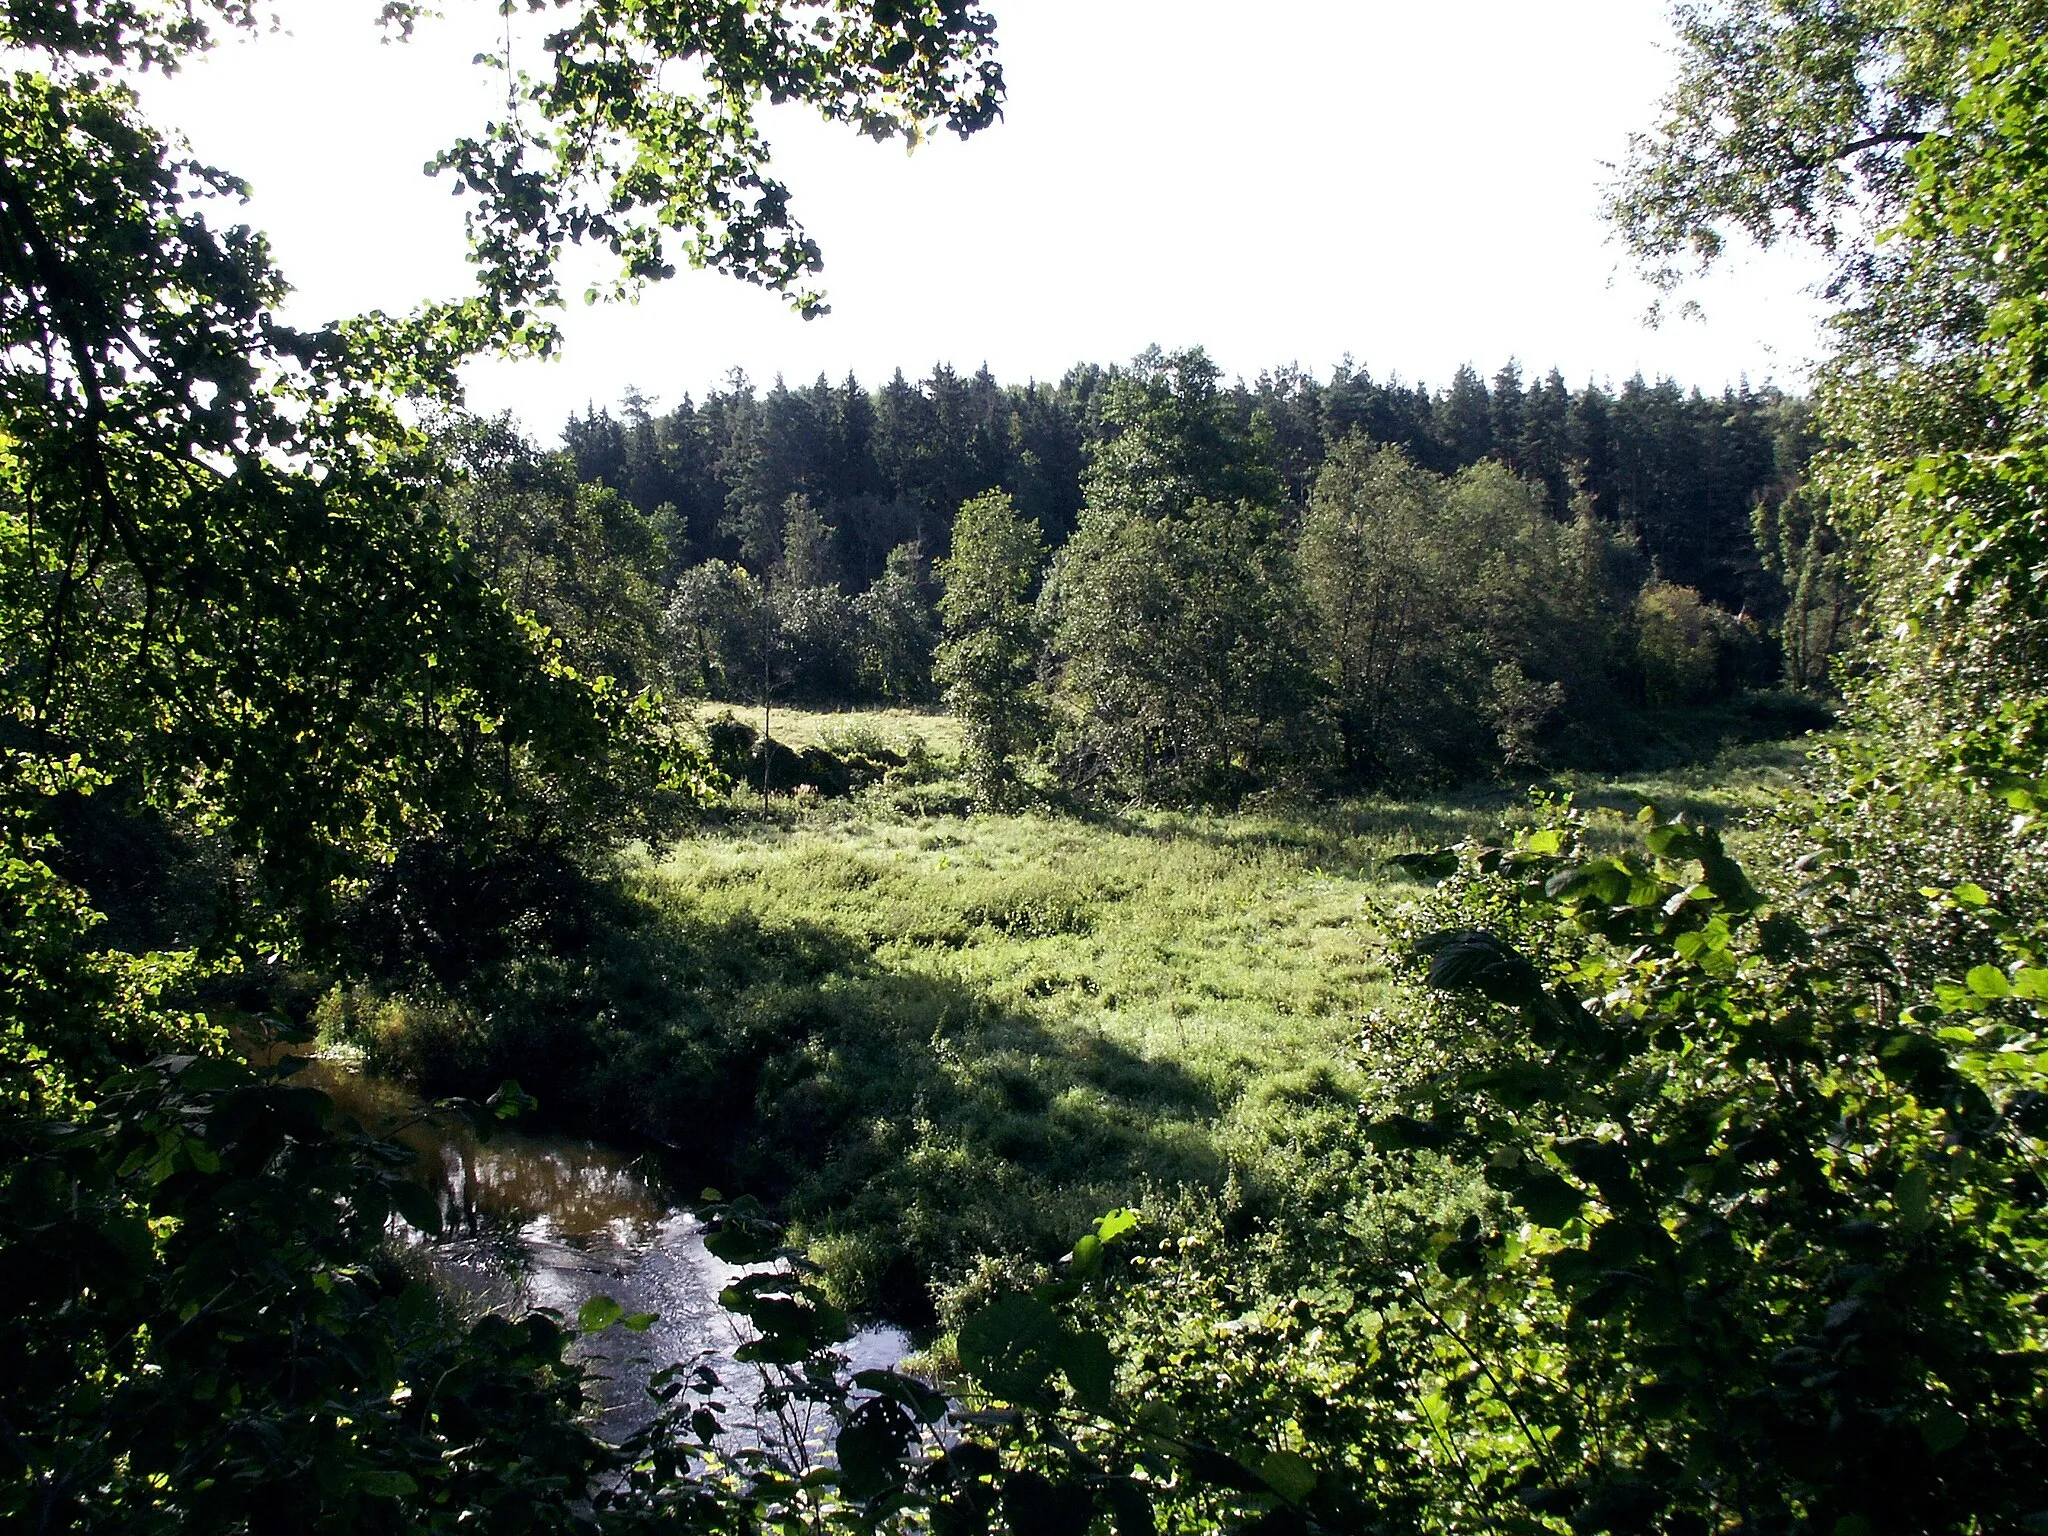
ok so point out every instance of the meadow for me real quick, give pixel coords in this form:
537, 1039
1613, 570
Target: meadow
942, 1041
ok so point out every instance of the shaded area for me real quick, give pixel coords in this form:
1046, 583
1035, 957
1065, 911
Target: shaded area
534, 1219
907, 1122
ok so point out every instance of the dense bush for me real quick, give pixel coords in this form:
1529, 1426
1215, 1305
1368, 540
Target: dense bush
1461, 624
1178, 632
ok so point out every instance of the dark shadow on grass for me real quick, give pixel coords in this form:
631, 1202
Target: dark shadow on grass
1351, 837
908, 1120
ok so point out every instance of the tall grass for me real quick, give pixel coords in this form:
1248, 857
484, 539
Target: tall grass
943, 1042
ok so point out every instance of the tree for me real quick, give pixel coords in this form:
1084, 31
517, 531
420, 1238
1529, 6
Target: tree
809, 555
987, 659
1178, 634
1170, 440
1373, 565
1462, 625
579, 559
1464, 421
713, 620
1793, 119
232, 594
897, 630
1808, 558
1183, 651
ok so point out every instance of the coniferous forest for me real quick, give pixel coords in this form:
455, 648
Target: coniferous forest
1153, 953
1652, 545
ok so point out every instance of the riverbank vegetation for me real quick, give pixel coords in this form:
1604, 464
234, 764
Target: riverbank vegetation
944, 1041
1666, 1160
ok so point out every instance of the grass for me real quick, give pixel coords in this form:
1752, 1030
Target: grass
800, 728
944, 1042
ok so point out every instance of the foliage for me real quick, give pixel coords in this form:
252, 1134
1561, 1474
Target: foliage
1681, 1208
614, 145
1678, 471
1177, 633
988, 661
1689, 651
714, 620
1182, 646
815, 640
1737, 1206
580, 559
1766, 1167
243, 599
1811, 559
1461, 623
1738, 1202
1171, 439
1791, 119
938, 1042
897, 630
211, 1333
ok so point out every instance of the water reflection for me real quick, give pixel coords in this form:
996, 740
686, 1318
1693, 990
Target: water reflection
550, 1221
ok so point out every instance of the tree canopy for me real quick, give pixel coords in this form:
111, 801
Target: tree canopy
253, 610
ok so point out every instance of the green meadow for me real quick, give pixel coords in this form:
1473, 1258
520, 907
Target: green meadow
941, 1043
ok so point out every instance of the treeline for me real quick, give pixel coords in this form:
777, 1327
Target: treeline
1683, 471
1232, 581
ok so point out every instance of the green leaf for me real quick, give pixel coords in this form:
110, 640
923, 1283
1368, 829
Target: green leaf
1288, 1474
1034, 1505
130, 1237
743, 1233
1913, 1195
1942, 1429
213, 1074
639, 1322
1086, 1259
416, 1203
1674, 840
1116, 1223
386, 1485
773, 1349
871, 1448
1157, 1418
1427, 864
598, 1314
1548, 1200
1012, 1347
1130, 1510
1090, 1369
924, 1401
1988, 981
1603, 881
511, 1101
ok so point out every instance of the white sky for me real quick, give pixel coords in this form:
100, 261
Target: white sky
1413, 184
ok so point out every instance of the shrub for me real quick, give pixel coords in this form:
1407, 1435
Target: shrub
731, 743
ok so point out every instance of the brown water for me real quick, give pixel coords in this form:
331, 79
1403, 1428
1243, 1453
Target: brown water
551, 1221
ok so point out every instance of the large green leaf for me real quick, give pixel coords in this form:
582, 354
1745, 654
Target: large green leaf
1013, 1346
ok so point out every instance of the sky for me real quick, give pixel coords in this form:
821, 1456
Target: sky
1295, 182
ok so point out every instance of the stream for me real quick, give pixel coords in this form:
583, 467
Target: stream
537, 1220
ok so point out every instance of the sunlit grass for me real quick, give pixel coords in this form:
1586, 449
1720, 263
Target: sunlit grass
943, 1042
802, 728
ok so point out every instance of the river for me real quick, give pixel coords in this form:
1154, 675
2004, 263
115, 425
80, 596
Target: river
538, 1220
